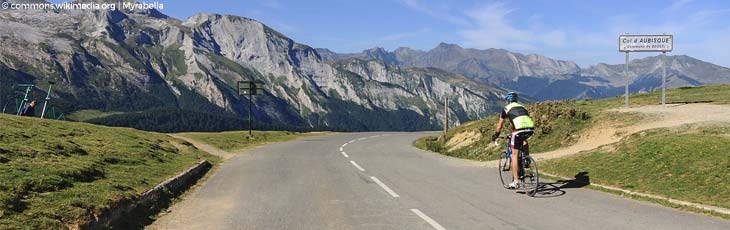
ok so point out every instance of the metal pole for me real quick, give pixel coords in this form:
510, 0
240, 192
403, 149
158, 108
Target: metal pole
25, 99
48, 97
446, 115
626, 72
250, 111
664, 79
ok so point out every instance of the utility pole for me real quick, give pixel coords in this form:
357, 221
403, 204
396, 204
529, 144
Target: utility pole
446, 115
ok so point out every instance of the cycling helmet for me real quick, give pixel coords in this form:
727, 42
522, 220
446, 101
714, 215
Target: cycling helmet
511, 97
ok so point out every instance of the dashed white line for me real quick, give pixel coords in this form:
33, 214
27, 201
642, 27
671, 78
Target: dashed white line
362, 138
340, 149
430, 221
385, 187
351, 141
357, 166
345, 154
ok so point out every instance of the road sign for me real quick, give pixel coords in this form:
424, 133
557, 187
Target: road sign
645, 43
250, 88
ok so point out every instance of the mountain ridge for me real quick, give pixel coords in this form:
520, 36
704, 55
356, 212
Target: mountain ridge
548, 79
139, 61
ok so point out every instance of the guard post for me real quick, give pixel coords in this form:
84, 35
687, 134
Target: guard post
646, 43
250, 89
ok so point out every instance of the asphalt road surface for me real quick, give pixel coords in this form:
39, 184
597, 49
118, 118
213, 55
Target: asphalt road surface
379, 181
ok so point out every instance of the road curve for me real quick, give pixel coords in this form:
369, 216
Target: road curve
379, 181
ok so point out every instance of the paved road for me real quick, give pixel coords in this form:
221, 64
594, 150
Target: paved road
382, 182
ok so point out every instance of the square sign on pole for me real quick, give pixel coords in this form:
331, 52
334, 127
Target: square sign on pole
646, 43
250, 89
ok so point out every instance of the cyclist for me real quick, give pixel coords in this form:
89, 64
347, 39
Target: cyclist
523, 128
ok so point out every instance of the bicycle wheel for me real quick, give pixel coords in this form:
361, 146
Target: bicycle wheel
531, 179
505, 169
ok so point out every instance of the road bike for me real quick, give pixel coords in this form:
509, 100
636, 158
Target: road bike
526, 171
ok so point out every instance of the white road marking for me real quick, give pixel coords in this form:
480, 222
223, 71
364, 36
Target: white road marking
345, 154
362, 138
430, 221
340, 149
385, 187
344, 145
357, 166
351, 141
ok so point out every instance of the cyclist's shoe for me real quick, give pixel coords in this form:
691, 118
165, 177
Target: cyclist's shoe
514, 185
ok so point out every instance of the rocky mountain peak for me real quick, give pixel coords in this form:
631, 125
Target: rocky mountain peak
446, 46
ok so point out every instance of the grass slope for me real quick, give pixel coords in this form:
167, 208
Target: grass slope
560, 123
690, 163
85, 115
56, 175
237, 140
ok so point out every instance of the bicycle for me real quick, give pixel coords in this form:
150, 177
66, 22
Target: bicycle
527, 169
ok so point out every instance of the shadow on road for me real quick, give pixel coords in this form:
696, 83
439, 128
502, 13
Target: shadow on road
554, 189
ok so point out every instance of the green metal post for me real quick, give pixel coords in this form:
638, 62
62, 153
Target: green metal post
48, 97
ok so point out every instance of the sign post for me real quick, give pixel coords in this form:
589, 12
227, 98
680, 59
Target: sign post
646, 43
250, 89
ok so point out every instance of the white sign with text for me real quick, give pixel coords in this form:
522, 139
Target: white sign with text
645, 43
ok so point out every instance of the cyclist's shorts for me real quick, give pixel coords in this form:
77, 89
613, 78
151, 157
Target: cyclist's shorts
519, 136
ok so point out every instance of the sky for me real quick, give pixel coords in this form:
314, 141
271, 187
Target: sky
582, 31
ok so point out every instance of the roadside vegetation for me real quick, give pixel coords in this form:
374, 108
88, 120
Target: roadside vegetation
57, 175
560, 123
237, 140
689, 163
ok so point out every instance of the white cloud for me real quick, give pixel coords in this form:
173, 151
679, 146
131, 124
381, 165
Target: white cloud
555, 38
435, 12
493, 29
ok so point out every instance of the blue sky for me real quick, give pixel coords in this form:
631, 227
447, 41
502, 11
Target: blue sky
582, 31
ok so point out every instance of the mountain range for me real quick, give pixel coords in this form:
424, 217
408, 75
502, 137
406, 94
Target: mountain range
544, 78
148, 66
160, 73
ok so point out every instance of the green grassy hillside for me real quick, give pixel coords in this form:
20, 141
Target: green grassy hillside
58, 174
560, 123
237, 140
690, 163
